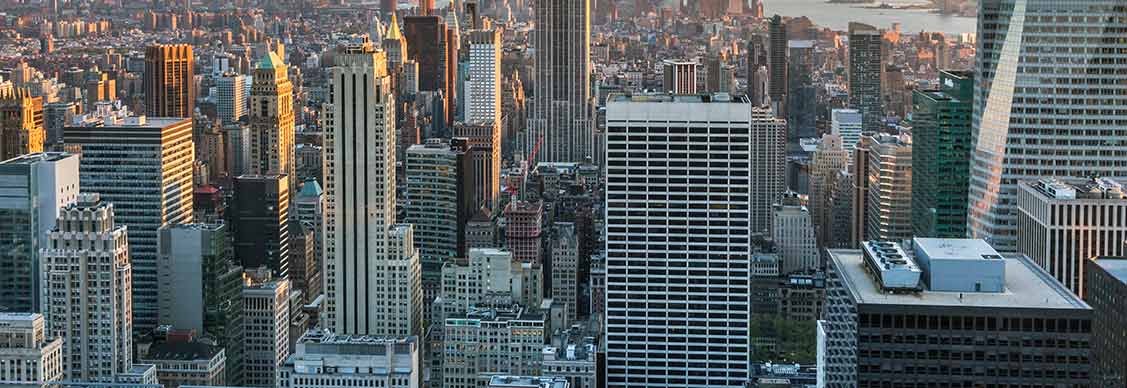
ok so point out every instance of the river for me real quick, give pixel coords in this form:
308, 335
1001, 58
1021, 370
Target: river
838, 16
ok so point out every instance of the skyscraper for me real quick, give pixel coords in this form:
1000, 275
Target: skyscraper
266, 328
564, 267
801, 104
427, 45
89, 290
371, 265
889, 208
658, 273
793, 234
483, 89
828, 161
561, 117
941, 144
1057, 123
484, 142
272, 120
394, 44
680, 77
865, 74
768, 136
846, 124
144, 167
259, 216
33, 190
231, 99
439, 203
169, 81
777, 64
21, 123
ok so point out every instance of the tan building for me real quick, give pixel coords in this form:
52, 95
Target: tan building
829, 158
27, 354
484, 140
21, 123
271, 119
169, 84
266, 327
889, 208
187, 363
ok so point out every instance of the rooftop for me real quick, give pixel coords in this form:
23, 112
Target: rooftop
1115, 266
1026, 286
1095, 188
38, 157
956, 248
182, 351
685, 98
527, 382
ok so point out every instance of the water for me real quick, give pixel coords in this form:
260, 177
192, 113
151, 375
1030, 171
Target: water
838, 16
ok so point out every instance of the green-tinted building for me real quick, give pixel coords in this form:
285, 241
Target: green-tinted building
941, 150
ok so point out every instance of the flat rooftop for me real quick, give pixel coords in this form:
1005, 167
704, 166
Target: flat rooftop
527, 382
1115, 266
956, 248
697, 98
38, 157
1027, 286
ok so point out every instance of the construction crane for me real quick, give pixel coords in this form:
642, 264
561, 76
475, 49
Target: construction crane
528, 165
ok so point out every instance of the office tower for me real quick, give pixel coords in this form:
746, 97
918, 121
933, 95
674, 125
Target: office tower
394, 44
756, 61
100, 88
1106, 292
941, 145
680, 77
865, 68
564, 267
841, 210
326, 360
859, 186
33, 189
372, 284
1020, 125
57, 115
259, 216
231, 97
453, 45
717, 73
438, 205
828, 160
169, 81
768, 163
793, 235
801, 94
201, 288
426, 44
483, 88
309, 208
484, 142
266, 327
29, 355
506, 338
1063, 223
846, 123
677, 239
889, 207
524, 229
272, 120
21, 123
561, 119
950, 293
305, 271
88, 291
777, 63
144, 167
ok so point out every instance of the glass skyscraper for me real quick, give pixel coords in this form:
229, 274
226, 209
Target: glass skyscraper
941, 156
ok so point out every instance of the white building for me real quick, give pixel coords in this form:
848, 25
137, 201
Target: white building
889, 203
491, 340
527, 382
144, 167
483, 88
565, 268
486, 271
371, 266
846, 123
793, 234
89, 290
266, 328
33, 188
689, 157
27, 354
231, 94
1063, 223
325, 360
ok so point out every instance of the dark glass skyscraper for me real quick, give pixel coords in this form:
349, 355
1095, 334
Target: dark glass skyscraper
941, 156
864, 74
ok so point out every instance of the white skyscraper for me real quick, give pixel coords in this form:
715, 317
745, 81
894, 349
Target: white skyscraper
1048, 102
266, 327
89, 290
846, 123
231, 97
371, 265
689, 237
768, 164
483, 89
561, 117
793, 234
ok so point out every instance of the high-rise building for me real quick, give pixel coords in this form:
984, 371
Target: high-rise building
949, 294
793, 235
100, 88
259, 216
231, 97
484, 142
756, 61
889, 207
828, 161
483, 88
678, 237
201, 288
394, 44
846, 123
859, 186
680, 77
768, 164
33, 189
144, 167
325, 360
506, 339
89, 290
28, 354
266, 328
777, 64
564, 267
1106, 292
801, 95
272, 120
865, 67
57, 115
524, 230
561, 119
427, 44
372, 284
309, 207
1052, 124
21, 123
1063, 223
438, 205
941, 144
169, 81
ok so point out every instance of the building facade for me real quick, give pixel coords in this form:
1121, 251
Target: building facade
272, 120
325, 360
483, 88
266, 328
889, 198
866, 65
438, 205
1105, 291
561, 121
259, 216
21, 123
941, 143
169, 82
28, 355
794, 237
564, 267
